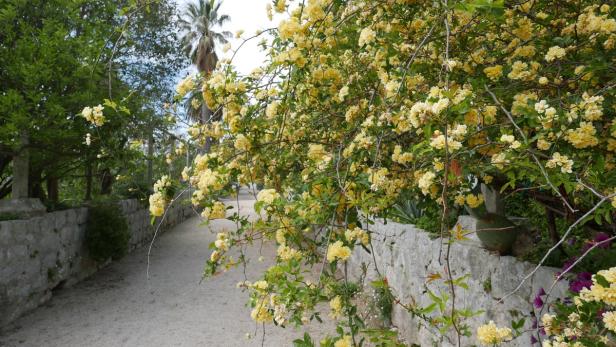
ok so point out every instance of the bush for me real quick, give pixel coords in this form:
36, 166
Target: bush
107, 233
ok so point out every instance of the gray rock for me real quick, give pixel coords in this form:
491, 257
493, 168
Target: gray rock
23, 208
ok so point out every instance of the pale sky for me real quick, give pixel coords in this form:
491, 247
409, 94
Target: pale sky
250, 16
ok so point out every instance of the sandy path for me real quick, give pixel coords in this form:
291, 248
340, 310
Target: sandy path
119, 307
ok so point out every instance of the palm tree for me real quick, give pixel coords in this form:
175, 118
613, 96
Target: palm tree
199, 23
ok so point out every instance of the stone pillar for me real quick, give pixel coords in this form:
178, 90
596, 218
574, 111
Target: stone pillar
21, 169
19, 204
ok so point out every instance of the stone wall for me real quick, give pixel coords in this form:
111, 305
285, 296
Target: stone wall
41, 254
406, 255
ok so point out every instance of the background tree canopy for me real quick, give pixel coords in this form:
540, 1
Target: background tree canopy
61, 55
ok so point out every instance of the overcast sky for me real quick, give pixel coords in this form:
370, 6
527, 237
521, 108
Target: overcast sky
247, 15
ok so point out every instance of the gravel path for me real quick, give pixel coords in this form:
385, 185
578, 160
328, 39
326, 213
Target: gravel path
118, 306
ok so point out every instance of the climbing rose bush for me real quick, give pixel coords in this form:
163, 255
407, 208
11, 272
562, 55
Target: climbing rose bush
361, 100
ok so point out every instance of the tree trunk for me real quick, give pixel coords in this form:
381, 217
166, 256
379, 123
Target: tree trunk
88, 195
150, 172
53, 189
21, 169
106, 181
36, 187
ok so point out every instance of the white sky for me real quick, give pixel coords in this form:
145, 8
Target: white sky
250, 16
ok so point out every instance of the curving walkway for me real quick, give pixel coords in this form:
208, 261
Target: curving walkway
119, 307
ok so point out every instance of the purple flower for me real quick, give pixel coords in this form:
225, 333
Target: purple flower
541, 292
568, 264
586, 276
600, 237
533, 339
538, 302
583, 280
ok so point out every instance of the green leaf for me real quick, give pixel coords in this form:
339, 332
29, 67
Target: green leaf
111, 104
306, 342
602, 281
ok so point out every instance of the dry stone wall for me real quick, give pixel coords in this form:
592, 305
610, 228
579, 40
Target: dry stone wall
405, 255
40, 254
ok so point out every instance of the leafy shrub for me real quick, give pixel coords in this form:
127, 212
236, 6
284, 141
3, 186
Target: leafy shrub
107, 233
423, 213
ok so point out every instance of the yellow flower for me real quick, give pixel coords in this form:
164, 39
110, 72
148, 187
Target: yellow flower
335, 305
157, 204
494, 72
287, 253
460, 200
399, 157
507, 138
215, 256
261, 313
611, 145
271, 109
94, 115
425, 181
345, 341
344, 91
281, 5
609, 319
583, 136
268, 196
242, 143
260, 285
546, 321
490, 334
560, 160
597, 292
185, 85
218, 211
543, 144
338, 251
357, 234
222, 241
499, 160
366, 36
288, 28
519, 71
473, 200
605, 8
316, 152
554, 53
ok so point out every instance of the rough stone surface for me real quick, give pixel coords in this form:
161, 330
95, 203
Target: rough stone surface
22, 208
47, 252
406, 255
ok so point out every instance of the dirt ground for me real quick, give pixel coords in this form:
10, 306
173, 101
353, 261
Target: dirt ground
119, 306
